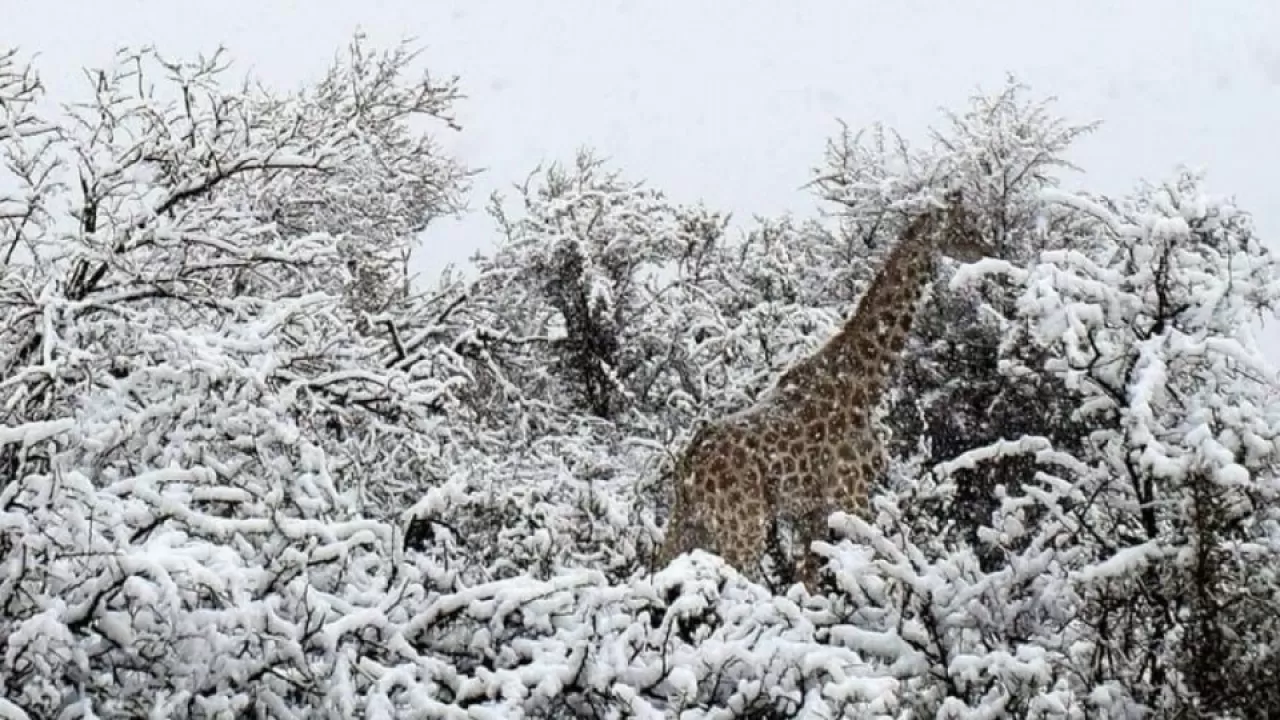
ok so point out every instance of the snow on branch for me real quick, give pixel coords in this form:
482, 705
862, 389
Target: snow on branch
230, 428
29, 434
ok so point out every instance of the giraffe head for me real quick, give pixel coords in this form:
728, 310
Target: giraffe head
954, 231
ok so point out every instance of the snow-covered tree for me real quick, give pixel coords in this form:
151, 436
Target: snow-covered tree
590, 263
1173, 510
245, 469
205, 412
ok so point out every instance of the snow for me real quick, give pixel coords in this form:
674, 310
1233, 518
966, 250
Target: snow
231, 488
9, 711
1125, 561
29, 434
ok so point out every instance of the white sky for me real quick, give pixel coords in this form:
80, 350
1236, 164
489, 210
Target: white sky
731, 102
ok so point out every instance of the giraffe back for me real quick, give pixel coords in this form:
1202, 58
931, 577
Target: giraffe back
790, 459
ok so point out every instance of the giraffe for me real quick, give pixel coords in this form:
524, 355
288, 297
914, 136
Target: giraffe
808, 446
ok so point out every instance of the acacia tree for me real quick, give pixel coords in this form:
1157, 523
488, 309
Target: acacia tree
1131, 572
1154, 330
590, 264
213, 379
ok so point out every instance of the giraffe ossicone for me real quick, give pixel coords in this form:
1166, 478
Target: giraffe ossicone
808, 447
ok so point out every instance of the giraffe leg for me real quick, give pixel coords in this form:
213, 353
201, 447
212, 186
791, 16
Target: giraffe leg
744, 546
671, 542
811, 526
683, 534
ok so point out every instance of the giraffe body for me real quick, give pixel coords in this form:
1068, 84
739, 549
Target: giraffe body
808, 447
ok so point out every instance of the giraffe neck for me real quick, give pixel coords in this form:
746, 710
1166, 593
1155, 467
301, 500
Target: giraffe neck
854, 367
876, 334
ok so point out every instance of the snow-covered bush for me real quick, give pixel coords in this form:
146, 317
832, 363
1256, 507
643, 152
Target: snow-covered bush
246, 470
203, 421
1166, 526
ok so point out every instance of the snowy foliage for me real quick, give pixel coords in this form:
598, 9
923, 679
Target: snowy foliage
200, 430
585, 261
1151, 323
247, 470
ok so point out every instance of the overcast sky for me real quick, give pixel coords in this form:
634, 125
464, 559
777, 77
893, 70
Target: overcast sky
731, 102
